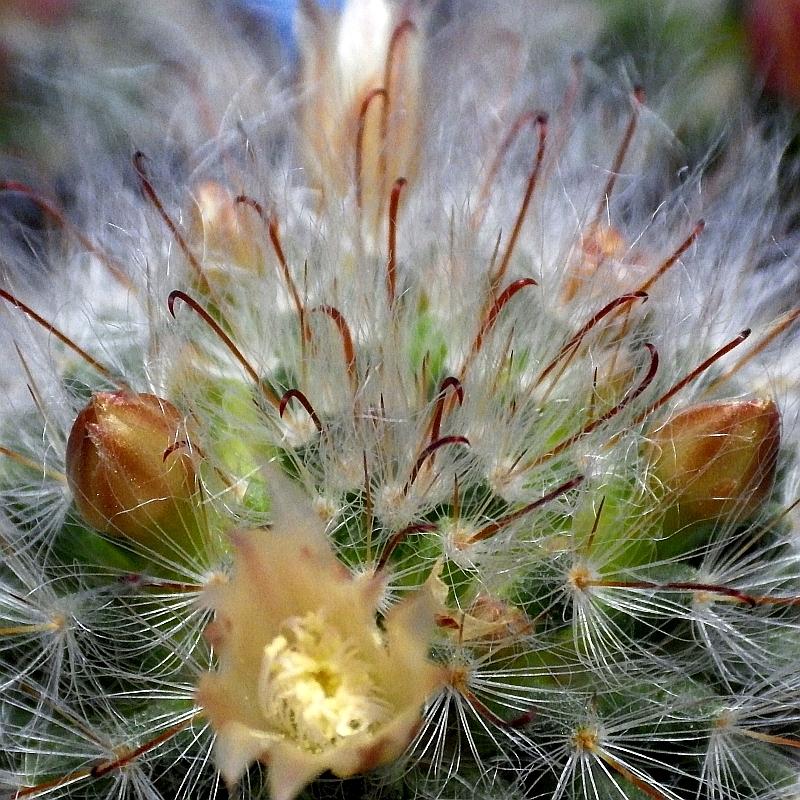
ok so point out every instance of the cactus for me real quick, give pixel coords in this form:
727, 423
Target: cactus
472, 481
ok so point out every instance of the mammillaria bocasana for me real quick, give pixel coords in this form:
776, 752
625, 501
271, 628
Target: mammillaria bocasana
439, 441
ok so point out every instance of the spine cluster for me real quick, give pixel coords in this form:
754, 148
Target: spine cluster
428, 457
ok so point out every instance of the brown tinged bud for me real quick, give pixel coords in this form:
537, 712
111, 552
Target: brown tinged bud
717, 460
229, 231
361, 73
489, 621
129, 466
601, 245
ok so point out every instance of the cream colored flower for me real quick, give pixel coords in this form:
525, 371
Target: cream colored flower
307, 680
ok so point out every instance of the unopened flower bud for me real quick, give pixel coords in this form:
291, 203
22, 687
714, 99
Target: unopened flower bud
129, 467
489, 621
717, 460
351, 114
228, 231
615, 374
600, 244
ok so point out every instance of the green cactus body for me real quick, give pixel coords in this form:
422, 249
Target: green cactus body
424, 540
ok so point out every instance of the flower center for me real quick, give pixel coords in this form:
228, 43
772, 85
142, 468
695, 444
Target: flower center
315, 688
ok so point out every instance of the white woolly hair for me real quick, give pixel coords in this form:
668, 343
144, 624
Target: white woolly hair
467, 380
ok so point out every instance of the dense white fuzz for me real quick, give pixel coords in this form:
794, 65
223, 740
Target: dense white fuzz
487, 406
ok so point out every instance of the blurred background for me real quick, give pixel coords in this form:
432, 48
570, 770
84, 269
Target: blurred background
118, 60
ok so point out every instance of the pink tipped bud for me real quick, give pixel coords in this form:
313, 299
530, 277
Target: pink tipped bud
128, 466
718, 459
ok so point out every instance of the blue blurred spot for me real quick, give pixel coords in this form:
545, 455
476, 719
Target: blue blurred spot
280, 14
